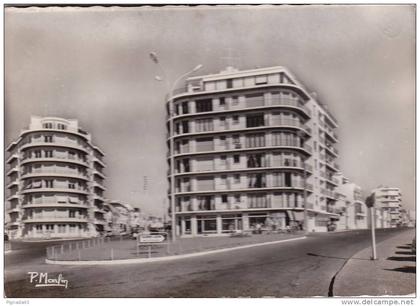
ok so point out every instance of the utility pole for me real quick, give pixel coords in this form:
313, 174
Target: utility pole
370, 202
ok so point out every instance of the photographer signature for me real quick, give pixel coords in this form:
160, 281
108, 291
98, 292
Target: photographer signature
41, 279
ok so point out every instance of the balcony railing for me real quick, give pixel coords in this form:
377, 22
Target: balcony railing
54, 157
55, 217
54, 171
241, 145
73, 144
248, 186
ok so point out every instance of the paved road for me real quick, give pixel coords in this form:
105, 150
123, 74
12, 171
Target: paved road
293, 269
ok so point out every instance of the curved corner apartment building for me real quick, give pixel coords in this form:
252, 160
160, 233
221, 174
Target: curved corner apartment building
248, 146
55, 182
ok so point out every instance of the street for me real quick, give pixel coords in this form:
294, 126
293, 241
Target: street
294, 269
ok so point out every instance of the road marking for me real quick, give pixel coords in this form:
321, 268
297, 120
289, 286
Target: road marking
165, 258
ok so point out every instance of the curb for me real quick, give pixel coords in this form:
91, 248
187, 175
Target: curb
349, 260
166, 258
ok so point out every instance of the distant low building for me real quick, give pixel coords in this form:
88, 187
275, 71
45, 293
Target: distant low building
350, 205
121, 217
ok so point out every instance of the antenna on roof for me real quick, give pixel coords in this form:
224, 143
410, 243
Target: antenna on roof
230, 58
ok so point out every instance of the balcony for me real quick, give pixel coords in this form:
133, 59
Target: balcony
55, 218
281, 101
13, 210
55, 173
238, 146
55, 189
55, 204
98, 185
330, 133
12, 157
330, 163
58, 143
98, 173
329, 194
13, 197
99, 161
331, 149
12, 170
66, 159
13, 183
245, 188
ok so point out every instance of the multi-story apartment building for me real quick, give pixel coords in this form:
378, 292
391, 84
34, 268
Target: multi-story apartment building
249, 145
353, 210
55, 182
389, 199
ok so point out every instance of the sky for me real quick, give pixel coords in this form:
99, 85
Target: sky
92, 64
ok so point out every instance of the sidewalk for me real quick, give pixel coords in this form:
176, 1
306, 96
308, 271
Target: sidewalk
394, 273
126, 249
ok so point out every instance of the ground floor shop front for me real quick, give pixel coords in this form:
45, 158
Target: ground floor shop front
224, 223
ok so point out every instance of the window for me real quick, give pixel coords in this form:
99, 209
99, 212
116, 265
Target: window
224, 198
255, 120
49, 227
185, 127
61, 126
61, 228
261, 79
204, 125
204, 144
205, 183
72, 228
231, 223
223, 121
235, 119
223, 141
48, 125
236, 178
237, 198
185, 109
206, 203
236, 142
222, 101
255, 160
206, 224
254, 100
49, 183
229, 83
38, 153
48, 138
49, 153
257, 201
256, 180
205, 105
255, 140
235, 100
72, 214
38, 228
72, 185
236, 159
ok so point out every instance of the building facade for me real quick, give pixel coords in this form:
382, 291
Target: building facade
388, 200
121, 217
55, 182
353, 210
250, 148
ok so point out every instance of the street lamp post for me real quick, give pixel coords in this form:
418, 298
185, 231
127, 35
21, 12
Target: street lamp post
155, 59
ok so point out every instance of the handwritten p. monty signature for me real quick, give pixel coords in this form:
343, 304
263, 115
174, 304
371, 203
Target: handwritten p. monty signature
43, 280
